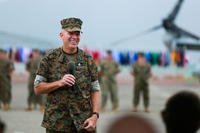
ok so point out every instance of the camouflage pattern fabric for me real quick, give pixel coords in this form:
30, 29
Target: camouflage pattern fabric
68, 106
72, 131
109, 84
141, 85
71, 24
5, 80
31, 67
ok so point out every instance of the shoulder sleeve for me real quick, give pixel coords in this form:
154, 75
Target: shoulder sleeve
101, 63
92, 68
117, 66
43, 67
134, 67
28, 65
149, 66
12, 66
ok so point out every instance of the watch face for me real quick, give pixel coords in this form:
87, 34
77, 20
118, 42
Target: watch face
95, 113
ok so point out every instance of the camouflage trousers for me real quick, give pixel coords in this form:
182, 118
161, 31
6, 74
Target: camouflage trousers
73, 131
5, 95
138, 89
109, 88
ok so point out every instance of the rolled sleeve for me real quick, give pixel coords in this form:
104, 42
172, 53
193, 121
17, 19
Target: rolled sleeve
43, 68
96, 86
39, 79
93, 70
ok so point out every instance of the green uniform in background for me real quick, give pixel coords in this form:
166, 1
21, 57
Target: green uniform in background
31, 67
6, 67
109, 70
141, 76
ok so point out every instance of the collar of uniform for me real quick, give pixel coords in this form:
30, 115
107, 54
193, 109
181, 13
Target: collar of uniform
62, 56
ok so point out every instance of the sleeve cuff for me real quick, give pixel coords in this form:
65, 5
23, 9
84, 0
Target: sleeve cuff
39, 79
95, 86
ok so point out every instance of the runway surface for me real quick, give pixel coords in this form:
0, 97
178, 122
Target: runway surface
20, 121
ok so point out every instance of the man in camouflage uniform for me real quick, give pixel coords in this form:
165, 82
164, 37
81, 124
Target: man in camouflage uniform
141, 70
31, 67
109, 68
69, 76
6, 69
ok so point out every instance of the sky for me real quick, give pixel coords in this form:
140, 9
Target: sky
104, 21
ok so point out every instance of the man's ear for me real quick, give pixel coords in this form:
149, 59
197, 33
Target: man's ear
61, 34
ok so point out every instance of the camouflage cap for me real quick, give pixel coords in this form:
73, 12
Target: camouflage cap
71, 24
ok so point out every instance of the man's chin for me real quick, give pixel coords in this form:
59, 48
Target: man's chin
73, 46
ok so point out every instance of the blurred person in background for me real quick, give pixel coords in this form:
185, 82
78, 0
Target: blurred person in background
182, 113
141, 70
32, 66
69, 77
131, 124
109, 68
6, 69
2, 126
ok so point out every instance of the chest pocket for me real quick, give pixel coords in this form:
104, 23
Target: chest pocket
81, 69
83, 78
58, 70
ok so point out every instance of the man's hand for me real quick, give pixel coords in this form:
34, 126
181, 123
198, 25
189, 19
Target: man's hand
67, 79
90, 123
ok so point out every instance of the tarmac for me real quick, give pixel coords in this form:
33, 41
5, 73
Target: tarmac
19, 121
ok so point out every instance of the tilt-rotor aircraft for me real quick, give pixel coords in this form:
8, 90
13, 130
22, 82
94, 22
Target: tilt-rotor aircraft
176, 37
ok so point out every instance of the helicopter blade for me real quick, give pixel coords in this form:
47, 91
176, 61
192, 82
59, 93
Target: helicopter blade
137, 35
181, 32
175, 11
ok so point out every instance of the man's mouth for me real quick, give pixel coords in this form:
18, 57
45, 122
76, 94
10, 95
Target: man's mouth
73, 41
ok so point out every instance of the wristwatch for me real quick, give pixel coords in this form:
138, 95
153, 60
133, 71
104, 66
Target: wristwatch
95, 113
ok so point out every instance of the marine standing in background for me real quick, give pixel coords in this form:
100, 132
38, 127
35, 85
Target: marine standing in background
69, 77
32, 66
6, 69
141, 70
109, 69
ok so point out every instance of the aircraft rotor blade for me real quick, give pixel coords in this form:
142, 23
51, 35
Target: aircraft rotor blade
183, 32
137, 35
175, 11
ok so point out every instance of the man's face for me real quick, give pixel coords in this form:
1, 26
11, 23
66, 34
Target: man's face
141, 60
109, 56
1, 55
70, 39
36, 55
